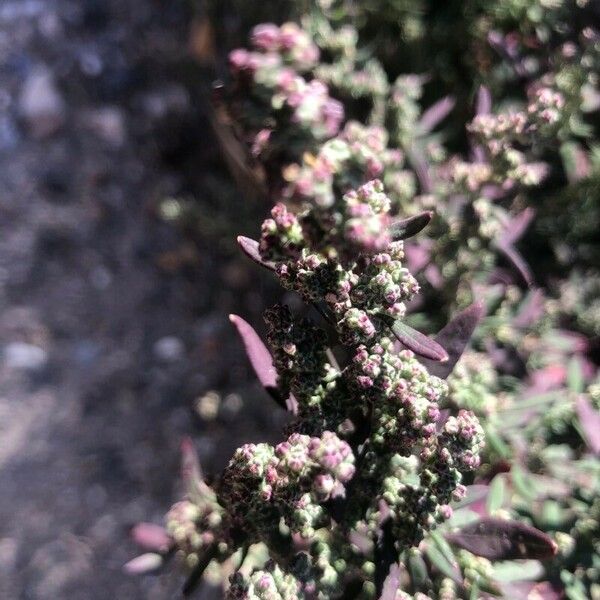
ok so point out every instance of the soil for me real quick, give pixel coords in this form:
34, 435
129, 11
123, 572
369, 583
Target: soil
113, 323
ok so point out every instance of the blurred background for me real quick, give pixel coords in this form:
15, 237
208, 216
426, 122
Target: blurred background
113, 325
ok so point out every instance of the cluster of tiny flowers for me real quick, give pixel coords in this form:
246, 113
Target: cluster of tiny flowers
290, 480
359, 153
271, 75
270, 583
196, 525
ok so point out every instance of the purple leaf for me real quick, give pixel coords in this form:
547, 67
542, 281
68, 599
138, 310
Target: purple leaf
518, 262
418, 255
497, 539
435, 114
417, 342
260, 358
391, 584
405, 228
589, 419
419, 164
475, 493
483, 105
151, 537
250, 249
145, 563
454, 337
516, 227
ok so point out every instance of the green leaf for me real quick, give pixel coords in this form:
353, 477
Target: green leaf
496, 497
575, 377
417, 342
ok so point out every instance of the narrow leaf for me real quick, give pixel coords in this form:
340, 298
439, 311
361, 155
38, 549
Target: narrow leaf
405, 228
589, 419
495, 499
145, 563
417, 342
512, 254
441, 563
516, 227
484, 101
435, 114
391, 584
260, 358
454, 337
151, 537
497, 539
250, 249
191, 472
475, 493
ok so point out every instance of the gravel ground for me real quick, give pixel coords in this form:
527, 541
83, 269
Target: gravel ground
112, 323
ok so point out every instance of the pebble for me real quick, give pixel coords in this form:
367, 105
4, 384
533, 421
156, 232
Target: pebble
19, 355
40, 104
169, 349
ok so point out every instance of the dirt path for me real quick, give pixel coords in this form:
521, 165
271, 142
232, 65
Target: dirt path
111, 324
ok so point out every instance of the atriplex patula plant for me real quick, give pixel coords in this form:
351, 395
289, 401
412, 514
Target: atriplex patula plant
365, 495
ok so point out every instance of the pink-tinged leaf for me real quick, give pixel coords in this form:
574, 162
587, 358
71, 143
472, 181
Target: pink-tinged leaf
434, 276
511, 253
260, 358
548, 378
532, 310
483, 106
418, 255
417, 342
250, 249
435, 114
516, 227
145, 563
530, 590
497, 539
589, 419
151, 537
191, 472
391, 585
454, 338
419, 164
405, 228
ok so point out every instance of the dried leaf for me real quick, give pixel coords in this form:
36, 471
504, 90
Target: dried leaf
405, 228
454, 338
260, 358
589, 419
435, 114
151, 537
497, 539
250, 249
145, 563
417, 342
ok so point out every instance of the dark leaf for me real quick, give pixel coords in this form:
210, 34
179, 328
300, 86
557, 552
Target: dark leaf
417, 342
145, 563
260, 358
405, 228
497, 539
454, 337
250, 249
151, 537
435, 114
511, 253
589, 419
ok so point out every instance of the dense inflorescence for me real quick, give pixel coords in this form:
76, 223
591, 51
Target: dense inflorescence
384, 440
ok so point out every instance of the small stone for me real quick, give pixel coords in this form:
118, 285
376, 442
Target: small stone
19, 355
40, 104
169, 349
